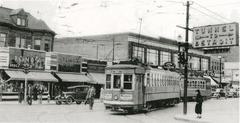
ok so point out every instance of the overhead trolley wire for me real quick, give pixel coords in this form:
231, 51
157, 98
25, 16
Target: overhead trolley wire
212, 11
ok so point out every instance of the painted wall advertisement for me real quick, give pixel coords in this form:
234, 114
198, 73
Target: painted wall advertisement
69, 63
20, 58
216, 35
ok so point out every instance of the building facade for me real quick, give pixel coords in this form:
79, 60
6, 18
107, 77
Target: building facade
128, 46
24, 41
20, 29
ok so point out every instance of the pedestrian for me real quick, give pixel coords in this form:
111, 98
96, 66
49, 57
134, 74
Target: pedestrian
198, 107
29, 94
101, 94
40, 93
20, 94
90, 97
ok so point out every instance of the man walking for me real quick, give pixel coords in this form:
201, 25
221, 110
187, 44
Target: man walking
90, 97
29, 96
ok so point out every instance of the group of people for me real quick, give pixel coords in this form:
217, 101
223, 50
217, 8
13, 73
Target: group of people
33, 93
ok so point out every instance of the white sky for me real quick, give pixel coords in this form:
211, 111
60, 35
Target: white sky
160, 17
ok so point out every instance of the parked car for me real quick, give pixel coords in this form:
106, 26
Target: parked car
232, 93
74, 94
216, 95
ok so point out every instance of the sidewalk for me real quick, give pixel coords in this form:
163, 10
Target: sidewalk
44, 102
191, 119
214, 111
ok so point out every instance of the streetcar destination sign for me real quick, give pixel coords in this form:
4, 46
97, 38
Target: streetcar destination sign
216, 35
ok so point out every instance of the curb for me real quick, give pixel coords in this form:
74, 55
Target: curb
190, 119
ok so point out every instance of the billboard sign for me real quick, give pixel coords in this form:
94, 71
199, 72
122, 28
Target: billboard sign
216, 35
69, 63
20, 58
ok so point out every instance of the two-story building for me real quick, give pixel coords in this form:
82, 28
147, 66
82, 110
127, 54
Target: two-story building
24, 41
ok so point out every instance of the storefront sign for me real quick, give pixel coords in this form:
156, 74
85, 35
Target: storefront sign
51, 62
169, 66
216, 35
20, 58
69, 63
4, 57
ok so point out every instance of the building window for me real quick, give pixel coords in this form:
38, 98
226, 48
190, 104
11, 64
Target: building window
46, 45
204, 64
108, 81
23, 22
195, 63
37, 44
18, 21
138, 52
18, 42
2, 39
175, 60
165, 57
127, 83
152, 57
116, 81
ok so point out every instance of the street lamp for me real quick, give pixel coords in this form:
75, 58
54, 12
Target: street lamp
220, 82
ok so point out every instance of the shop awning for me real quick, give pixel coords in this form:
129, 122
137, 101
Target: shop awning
99, 78
71, 77
213, 83
217, 79
31, 76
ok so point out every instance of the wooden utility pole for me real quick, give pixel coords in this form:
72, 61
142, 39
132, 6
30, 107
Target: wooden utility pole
186, 61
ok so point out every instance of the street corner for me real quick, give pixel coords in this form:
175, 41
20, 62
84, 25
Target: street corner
190, 119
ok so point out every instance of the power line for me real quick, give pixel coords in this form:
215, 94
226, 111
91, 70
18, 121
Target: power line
212, 11
207, 14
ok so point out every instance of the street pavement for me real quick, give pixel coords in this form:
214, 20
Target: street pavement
214, 111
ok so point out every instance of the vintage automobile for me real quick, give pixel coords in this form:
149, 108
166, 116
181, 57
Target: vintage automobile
74, 94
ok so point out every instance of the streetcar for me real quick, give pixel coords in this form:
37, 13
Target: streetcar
133, 88
196, 83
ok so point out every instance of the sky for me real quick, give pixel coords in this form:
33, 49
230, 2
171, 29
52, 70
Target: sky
70, 18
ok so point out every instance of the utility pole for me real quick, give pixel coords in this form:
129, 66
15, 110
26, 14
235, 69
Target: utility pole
139, 38
113, 49
186, 61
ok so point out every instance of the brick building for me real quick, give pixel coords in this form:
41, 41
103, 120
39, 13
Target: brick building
19, 28
127, 46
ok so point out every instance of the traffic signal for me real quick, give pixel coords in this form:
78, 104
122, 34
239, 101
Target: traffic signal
181, 57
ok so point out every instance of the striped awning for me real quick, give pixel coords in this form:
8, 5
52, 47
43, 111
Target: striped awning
31, 76
99, 78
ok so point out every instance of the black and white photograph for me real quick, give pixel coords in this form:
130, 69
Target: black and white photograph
119, 61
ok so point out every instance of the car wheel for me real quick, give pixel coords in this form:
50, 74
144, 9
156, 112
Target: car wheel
58, 102
69, 100
78, 102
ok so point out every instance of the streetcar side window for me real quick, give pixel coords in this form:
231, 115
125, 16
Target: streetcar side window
116, 81
127, 83
108, 81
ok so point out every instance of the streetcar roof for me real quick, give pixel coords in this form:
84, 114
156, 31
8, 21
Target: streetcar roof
124, 66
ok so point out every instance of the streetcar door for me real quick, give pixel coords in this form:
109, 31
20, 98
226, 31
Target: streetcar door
139, 88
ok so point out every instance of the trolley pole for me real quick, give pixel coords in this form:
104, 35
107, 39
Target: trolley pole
186, 62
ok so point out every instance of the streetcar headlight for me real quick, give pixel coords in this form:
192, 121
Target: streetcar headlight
115, 97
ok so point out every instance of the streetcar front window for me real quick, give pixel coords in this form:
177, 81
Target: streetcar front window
108, 81
116, 81
127, 83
